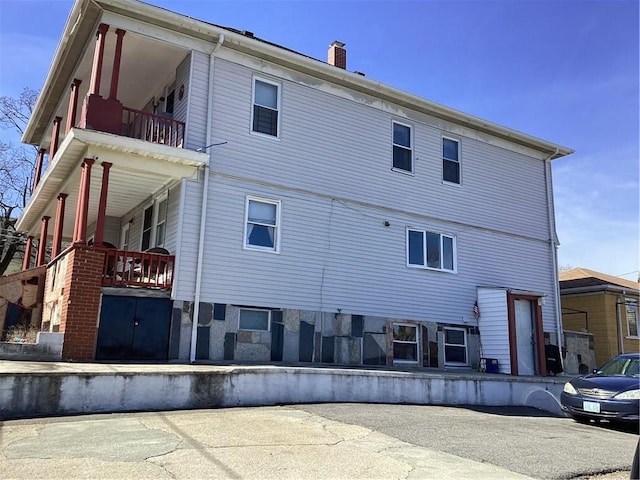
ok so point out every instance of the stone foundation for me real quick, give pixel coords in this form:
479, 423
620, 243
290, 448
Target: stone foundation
301, 336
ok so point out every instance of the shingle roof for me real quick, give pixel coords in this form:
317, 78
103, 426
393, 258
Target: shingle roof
591, 277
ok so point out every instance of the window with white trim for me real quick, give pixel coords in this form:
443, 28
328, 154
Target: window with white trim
124, 236
147, 228
402, 149
262, 224
631, 309
450, 160
455, 346
266, 107
254, 319
161, 221
431, 250
154, 223
405, 343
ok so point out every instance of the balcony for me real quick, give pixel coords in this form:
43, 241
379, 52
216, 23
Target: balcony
137, 269
152, 128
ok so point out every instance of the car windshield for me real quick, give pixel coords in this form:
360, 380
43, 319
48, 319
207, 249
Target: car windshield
629, 367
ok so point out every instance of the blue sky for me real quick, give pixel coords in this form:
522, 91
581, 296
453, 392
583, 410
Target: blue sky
566, 71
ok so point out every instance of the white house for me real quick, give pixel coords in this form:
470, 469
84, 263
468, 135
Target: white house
298, 211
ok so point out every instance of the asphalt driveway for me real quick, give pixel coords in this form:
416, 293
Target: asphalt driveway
519, 439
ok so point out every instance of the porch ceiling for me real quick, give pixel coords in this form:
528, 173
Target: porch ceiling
139, 170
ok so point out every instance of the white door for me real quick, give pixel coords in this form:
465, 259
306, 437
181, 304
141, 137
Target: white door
524, 337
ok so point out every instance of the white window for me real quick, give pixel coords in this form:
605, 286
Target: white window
154, 224
254, 319
124, 236
262, 225
455, 346
147, 228
161, 222
450, 160
431, 250
402, 150
631, 308
405, 343
266, 107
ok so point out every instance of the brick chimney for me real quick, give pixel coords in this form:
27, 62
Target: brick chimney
337, 55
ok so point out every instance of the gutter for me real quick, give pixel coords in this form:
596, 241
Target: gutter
203, 214
597, 288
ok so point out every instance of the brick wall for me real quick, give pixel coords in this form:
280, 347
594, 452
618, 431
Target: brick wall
79, 313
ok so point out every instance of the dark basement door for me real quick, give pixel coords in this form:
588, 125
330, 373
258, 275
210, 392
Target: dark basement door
134, 328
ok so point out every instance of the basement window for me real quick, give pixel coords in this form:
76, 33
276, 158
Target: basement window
405, 343
455, 346
254, 319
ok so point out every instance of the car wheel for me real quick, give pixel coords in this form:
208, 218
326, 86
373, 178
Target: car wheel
581, 418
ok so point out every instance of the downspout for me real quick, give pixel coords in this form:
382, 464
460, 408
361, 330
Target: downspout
554, 249
619, 304
203, 213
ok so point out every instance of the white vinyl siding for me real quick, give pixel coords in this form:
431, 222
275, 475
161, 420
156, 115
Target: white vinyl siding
494, 326
358, 131
340, 255
336, 251
197, 95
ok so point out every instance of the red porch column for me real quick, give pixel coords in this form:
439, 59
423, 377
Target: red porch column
113, 92
38, 173
57, 230
26, 261
42, 244
102, 207
55, 137
73, 104
98, 56
82, 213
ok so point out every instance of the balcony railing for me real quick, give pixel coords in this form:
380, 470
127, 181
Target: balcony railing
137, 269
152, 127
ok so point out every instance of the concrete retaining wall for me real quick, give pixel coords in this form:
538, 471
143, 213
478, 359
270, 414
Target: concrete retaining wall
44, 394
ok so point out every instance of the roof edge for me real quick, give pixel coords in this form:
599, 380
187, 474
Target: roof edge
290, 58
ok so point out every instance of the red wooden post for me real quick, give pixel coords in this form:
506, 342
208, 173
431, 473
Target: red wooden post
102, 206
26, 261
96, 69
55, 137
113, 92
57, 231
42, 244
38, 173
73, 104
82, 213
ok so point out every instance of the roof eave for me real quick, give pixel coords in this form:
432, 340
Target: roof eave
255, 47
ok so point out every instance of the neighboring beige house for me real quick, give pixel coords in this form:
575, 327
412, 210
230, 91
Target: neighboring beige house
603, 305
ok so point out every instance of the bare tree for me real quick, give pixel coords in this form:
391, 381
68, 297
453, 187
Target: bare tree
17, 165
